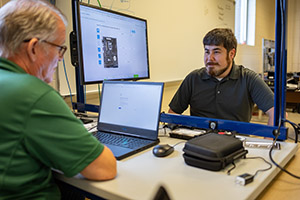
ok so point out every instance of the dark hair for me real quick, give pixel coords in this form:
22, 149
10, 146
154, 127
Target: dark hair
221, 37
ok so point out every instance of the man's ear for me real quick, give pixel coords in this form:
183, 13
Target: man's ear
232, 53
32, 49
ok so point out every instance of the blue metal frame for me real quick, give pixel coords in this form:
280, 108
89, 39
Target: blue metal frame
220, 124
280, 62
240, 127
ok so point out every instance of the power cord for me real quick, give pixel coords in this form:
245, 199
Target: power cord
178, 143
247, 178
276, 164
261, 170
99, 3
296, 129
69, 87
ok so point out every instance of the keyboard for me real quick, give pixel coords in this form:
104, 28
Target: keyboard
121, 140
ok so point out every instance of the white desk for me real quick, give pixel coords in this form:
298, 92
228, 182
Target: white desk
140, 176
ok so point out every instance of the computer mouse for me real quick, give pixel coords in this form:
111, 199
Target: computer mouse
162, 150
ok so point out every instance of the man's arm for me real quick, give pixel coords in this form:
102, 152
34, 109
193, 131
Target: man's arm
171, 111
270, 113
104, 167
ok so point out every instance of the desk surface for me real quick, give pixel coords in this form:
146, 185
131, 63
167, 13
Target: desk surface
284, 186
140, 176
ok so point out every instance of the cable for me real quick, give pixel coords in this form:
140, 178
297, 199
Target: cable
99, 3
280, 66
246, 178
281, 168
296, 128
276, 164
232, 168
179, 143
261, 170
67, 79
111, 4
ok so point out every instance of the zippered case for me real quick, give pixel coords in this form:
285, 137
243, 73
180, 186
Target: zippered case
213, 151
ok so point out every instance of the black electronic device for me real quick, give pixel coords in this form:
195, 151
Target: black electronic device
129, 116
73, 49
110, 45
186, 133
162, 150
271, 75
213, 151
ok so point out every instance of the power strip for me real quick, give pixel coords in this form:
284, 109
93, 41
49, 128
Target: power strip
262, 145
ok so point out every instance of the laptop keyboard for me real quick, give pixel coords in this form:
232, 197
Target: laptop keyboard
121, 140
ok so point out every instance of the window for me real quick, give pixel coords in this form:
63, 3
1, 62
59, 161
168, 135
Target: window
245, 21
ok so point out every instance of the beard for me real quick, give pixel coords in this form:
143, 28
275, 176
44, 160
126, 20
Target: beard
214, 70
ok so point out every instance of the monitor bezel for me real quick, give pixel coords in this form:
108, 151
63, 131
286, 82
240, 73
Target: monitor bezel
114, 128
79, 44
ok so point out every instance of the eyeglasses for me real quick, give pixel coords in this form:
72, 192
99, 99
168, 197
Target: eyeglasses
61, 51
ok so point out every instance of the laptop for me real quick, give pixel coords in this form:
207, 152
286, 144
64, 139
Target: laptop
129, 116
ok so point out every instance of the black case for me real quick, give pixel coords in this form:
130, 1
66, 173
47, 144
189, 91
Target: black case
213, 151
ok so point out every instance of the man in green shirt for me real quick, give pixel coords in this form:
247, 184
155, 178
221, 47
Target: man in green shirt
37, 129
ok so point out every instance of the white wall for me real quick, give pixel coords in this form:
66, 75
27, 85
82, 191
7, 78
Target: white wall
175, 32
293, 36
251, 56
168, 67
66, 8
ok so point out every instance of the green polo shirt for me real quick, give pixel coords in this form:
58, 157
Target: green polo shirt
38, 132
232, 98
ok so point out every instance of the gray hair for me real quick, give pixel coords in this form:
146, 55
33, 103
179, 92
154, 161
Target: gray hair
25, 19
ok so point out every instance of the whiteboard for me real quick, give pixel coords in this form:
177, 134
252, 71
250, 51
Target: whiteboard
175, 33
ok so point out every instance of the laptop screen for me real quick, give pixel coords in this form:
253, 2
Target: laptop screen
131, 108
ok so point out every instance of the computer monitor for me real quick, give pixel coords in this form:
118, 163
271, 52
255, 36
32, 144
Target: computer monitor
111, 45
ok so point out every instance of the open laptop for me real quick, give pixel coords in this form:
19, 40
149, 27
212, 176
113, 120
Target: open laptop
129, 116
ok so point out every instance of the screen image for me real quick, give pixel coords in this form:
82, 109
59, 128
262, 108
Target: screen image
133, 104
111, 45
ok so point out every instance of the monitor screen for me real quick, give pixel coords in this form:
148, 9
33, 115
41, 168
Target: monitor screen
111, 45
